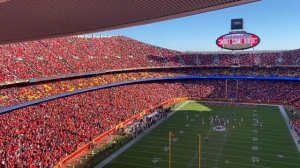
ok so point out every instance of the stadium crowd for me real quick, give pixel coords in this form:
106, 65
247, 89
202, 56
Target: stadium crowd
42, 135
15, 95
69, 55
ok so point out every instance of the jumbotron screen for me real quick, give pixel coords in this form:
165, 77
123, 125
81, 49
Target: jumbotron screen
238, 41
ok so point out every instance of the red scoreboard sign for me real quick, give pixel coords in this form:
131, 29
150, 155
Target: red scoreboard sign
238, 41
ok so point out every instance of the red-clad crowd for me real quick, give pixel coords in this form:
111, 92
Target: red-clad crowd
296, 104
43, 134
68, 55
40, 136
15, 95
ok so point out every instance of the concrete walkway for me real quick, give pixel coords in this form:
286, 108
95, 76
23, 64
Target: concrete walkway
292, 131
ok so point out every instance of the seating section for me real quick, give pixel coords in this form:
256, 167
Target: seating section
68, 55
296, 125
42, 135
15, 95
296, 103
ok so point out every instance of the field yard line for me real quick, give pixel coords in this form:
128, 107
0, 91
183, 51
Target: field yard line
235, 156
133, 156
230, 144
143, 165
266, 127
268, 138
146, 146
184, 104
178, 162
220, 149
293, 133
128, 145
208, 133
274, 137
133, 164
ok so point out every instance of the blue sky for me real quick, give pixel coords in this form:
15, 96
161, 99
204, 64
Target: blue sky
277, 22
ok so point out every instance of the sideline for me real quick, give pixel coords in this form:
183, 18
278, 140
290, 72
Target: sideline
293, 133
128, 145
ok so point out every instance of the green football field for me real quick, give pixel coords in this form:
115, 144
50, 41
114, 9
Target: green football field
245, 145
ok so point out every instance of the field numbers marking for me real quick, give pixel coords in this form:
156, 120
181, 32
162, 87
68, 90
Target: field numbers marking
254, 139
254, 159
156, 160
280, 156
166, 149
175, 139
254, 148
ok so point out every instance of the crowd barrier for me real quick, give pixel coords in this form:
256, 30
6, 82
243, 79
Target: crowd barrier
98, 139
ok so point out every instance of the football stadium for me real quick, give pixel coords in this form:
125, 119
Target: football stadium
74, 96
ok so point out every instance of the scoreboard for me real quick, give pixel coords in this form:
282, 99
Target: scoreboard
237, 38
237, 24
238, 41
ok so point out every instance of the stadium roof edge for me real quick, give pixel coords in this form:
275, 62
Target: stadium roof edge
34, 20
